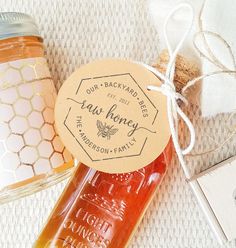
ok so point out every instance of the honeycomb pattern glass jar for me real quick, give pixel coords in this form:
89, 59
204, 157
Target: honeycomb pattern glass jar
31, 153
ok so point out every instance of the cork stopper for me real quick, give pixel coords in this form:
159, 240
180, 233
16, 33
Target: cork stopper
185, 69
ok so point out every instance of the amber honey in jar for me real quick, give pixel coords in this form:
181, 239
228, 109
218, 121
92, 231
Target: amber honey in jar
31, 153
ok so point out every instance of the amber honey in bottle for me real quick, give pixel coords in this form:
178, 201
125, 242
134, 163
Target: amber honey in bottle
103, 210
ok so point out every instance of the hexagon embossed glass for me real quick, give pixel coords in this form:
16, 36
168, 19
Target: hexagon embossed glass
31, 153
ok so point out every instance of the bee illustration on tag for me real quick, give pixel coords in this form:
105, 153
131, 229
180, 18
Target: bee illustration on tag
105, 130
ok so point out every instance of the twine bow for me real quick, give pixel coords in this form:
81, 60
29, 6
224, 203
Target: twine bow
168, 89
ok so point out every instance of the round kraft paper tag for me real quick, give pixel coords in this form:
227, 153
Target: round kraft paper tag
108, 119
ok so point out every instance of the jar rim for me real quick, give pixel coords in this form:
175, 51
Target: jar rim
16, 24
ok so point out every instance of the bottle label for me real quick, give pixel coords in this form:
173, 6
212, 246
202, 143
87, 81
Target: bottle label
29, 145
108, 119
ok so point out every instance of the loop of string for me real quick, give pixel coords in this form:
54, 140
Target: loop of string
212, 57
209, 54
168, 89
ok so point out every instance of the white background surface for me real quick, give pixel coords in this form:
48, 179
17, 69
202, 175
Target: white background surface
77, 32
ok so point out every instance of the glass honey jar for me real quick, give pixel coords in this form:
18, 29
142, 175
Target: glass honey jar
32, 156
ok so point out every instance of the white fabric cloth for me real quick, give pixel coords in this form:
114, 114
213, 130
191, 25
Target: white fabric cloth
76, 32
218, 92
217, 16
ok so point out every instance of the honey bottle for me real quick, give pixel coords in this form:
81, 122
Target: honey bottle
103, 210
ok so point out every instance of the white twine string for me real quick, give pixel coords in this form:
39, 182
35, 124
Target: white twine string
168, 89
208, 53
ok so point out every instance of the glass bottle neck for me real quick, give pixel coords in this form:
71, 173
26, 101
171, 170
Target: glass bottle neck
20, 48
